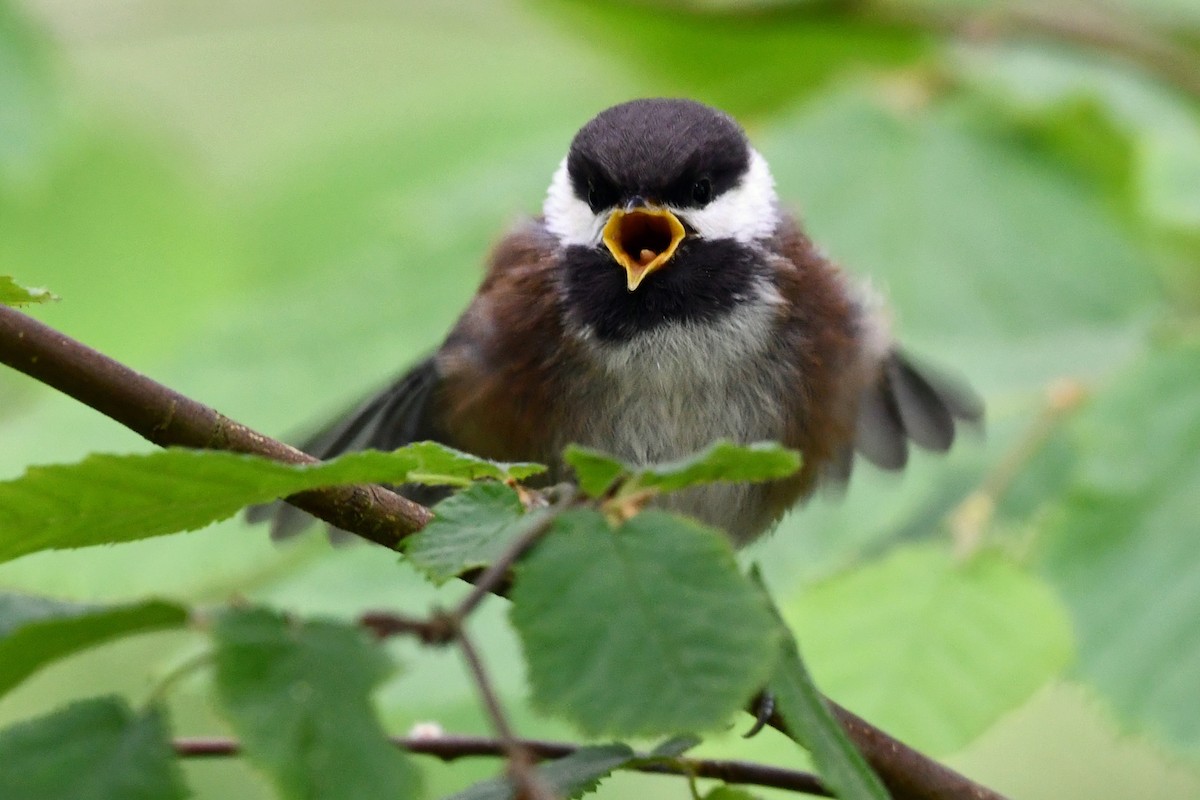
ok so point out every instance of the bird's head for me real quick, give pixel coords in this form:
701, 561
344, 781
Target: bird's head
661, 206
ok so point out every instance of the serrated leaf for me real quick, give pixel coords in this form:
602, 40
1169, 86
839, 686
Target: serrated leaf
570, 777
930, 650
298, 696
13, 294
35, 631
97, 749
469, 529
804, 711
721, 461
1123, 546
595, 471
642, 630
437, 464
106, 499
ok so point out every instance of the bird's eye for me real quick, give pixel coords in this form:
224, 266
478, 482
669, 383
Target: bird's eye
600, 195
702, 191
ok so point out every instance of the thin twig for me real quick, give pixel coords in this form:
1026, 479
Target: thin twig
451, 748
386, 623
168, 418
520, 763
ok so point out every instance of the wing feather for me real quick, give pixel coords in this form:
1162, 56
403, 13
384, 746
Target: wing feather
911, 403
402, 413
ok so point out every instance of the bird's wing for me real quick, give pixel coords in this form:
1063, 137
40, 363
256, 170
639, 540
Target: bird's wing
402, 413
907, 402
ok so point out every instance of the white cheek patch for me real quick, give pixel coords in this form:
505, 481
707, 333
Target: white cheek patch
568, 218
748, 212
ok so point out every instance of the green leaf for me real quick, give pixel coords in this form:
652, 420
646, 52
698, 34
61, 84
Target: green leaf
804, 711
1161, 129
437, 464
931, 650
754, 62
721, 461
570, 777
643, 630
106, 499
97, 749
13, 294
976, 230
1123, 547
298, 696
470, 529
595, 471
35, 631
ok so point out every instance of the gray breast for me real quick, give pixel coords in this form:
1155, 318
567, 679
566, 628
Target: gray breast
674, 390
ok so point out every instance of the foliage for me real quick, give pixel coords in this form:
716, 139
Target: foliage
13, 294
98, 749
298, 696
35, 631
805, 713
285, 211
640, 630
61, 506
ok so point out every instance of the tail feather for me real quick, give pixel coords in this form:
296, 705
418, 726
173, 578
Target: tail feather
914, 403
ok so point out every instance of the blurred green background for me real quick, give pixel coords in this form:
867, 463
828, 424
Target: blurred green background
275, 206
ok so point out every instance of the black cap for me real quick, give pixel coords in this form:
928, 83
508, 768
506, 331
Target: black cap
657, 150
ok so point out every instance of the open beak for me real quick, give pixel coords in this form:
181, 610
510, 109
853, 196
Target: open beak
641, 240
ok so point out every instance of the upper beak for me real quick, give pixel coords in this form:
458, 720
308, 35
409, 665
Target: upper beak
642, 239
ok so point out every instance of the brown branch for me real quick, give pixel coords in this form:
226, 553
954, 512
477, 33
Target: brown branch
907, 773
452, 748
167, 419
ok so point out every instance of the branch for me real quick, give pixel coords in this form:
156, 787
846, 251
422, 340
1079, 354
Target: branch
167, 418
907, 773
452, 748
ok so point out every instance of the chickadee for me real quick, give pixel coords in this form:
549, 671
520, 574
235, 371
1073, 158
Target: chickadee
664, 300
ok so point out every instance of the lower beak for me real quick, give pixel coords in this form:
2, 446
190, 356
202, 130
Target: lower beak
642, 240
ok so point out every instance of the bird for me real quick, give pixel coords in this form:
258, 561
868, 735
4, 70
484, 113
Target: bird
665, 298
